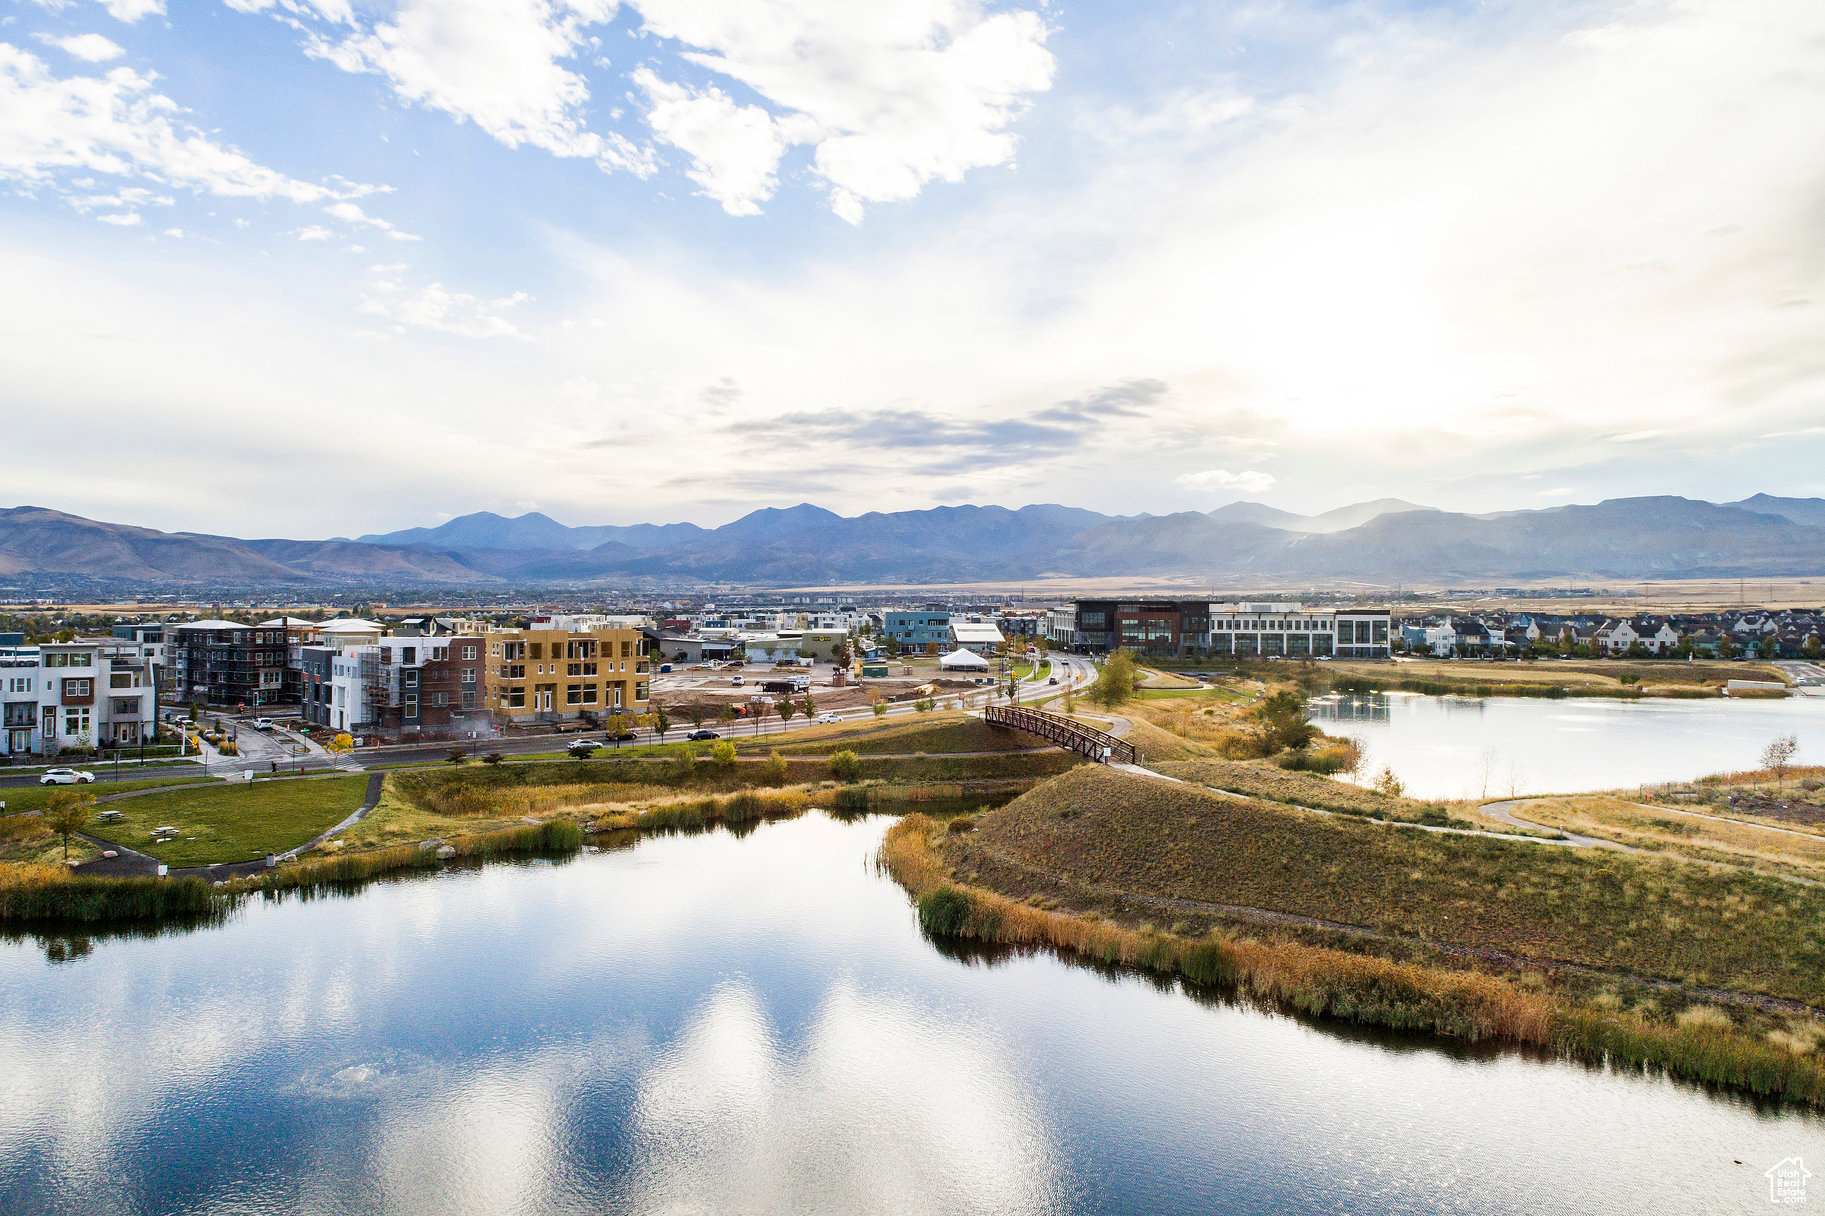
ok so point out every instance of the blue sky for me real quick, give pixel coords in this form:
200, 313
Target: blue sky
314, 267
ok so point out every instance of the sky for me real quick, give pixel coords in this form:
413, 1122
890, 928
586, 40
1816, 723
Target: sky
327, 267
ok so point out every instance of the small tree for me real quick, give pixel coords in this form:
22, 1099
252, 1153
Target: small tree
776, 768
727, 715
924, 705
807, 706
786, 709
343, 742
696, 712
846, 766
760, 709
722, 754
456, 756
68, 813
1778, 755
492, 758
879, 707
1279, 722
1115, 684
1013, 689
1387, 783
662, 721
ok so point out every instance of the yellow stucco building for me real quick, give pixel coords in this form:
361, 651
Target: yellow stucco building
565, 668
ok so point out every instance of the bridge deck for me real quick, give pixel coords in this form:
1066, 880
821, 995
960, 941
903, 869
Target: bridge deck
1069, 734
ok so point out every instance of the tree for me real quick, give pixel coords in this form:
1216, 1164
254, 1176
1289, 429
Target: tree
845, 766
1355, 756
662, 721
68, 813
807, 706
1810, 647
924, 705
617, 726
1778, 755
727, 715
1387, 783
1013, 688
776, 768
492, 758
1115, 683
786, 709
880, 708
340, 743
1280, 723
456, 756
722, 754
696, 711
760, 709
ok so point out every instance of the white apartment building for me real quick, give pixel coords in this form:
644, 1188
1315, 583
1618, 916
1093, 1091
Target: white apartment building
1295, 631
76, 695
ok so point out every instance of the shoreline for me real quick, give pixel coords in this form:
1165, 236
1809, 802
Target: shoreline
1323, 981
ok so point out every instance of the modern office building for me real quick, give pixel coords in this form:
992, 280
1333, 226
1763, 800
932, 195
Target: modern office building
1160, 627
1292, 630
920, 630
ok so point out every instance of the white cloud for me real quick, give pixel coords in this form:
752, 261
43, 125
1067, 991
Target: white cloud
123, 220
351, 213
734, 149
91, 47
118, 125
316, 232
1249, 481
132, 10
496, 63
437, 308
893, 94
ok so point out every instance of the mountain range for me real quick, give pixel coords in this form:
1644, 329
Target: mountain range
1383, 541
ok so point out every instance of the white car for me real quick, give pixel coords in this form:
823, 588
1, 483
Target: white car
262, 723
65, 776
825, 719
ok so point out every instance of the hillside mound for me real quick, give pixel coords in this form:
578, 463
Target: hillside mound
945, 735
1099, 830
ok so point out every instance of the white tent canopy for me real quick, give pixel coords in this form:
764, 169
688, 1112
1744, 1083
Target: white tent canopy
962, 660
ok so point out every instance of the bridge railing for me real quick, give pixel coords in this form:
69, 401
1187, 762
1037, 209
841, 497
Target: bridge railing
1066, 732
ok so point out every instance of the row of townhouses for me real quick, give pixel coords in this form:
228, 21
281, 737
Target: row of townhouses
75, 696
1202, 629
1788, 633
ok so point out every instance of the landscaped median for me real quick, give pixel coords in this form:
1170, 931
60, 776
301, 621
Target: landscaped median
1714, 975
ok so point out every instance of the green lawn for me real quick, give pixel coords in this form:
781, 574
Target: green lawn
36, 797
233, 822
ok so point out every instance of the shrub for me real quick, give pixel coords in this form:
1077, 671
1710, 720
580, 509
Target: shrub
722, 754
944, 910
846, 766
775, 770
456, 756
492, 758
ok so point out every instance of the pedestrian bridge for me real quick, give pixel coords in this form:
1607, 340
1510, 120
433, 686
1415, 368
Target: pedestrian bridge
1072, 735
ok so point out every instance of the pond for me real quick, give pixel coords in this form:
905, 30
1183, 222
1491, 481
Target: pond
1499, 747
756, 1025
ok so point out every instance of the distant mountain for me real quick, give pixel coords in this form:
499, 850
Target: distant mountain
1384, 541
1808, 511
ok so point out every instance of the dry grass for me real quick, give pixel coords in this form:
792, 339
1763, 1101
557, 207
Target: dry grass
1325, 982
932, 734
1666, 829
1686, 923
1154, 678
1261, 779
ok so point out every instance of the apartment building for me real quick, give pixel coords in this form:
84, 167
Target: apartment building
76, 695
227, 663
1295, 631
918, 630
565, 668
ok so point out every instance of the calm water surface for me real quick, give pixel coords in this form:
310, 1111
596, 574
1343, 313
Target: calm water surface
1495, 747
713, 1024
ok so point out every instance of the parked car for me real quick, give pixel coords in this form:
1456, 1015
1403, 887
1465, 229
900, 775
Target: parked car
624, 737
826, 719
65, 776
735, 680
263, 724
698, 736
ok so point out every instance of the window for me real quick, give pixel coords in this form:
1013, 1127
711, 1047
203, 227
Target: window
408, 654
78, 688
125, 705
538, 650
75, 721
573, 694
440, 700
514, 698
411, 705
589, 694
468, 698
123, 679
468, 652
468, 675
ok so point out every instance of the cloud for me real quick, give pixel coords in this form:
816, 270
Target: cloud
437, 308
118, 125
132, 10
123, 220
91, 47
1249, 481
724, 392
734, 149
892, 94
352, 213
496, 63
1129, 399
316, 232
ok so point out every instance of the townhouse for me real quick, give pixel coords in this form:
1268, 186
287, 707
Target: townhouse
557, 668
227, 663
76, 696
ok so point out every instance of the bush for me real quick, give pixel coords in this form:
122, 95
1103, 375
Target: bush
456, 756
846, 766
492, 758
943, 911
775, 770
722, 754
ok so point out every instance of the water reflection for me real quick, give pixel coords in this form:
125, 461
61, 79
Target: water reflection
1505, 747
712, 1024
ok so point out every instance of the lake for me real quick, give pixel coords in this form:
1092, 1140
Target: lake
756, 1025
1496, 747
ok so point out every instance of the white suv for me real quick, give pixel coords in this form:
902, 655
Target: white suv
65, 776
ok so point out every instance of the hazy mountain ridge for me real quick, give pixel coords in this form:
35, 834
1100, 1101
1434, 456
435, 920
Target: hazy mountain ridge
1386, 540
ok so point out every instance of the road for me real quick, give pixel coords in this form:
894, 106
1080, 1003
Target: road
1808, 678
